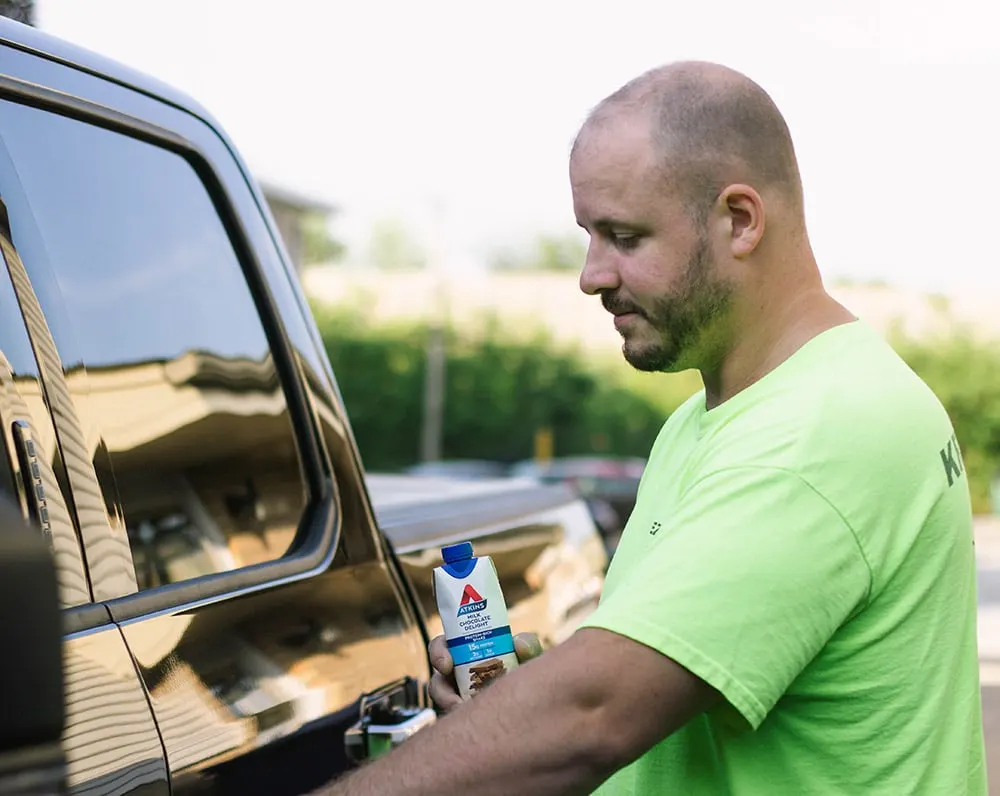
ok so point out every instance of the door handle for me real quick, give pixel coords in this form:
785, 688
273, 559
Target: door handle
367, 741
31, 475
388, 716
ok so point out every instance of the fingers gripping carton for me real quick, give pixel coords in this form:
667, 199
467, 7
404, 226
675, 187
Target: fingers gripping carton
474, 615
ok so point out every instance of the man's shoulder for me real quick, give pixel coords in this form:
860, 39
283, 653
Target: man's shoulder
850, 412
863, 413
878, 408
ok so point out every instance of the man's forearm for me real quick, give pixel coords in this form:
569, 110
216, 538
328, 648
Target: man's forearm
526, 734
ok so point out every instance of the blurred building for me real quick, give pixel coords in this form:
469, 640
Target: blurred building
292, 210
18, 10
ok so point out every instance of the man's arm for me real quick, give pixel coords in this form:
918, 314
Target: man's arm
561, 724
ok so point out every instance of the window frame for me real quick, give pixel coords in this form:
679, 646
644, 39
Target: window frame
319, 528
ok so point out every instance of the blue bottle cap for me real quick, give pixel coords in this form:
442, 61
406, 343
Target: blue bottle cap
457, 552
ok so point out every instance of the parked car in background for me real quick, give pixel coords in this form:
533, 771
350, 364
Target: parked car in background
241, 603
608, 484
466, 469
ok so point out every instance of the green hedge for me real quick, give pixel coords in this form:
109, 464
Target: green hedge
501, 390
499, 393
965, 375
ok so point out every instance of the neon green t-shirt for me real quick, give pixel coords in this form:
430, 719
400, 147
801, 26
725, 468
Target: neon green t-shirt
807, 549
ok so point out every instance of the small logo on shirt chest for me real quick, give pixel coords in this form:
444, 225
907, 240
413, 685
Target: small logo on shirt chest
655, 528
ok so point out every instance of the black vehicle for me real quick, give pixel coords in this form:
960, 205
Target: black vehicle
244, 610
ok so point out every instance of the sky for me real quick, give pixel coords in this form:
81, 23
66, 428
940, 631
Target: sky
457, 117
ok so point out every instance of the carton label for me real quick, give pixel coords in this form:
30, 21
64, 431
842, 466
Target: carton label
474, 616
479, 646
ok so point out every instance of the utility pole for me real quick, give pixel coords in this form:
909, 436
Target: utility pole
435, 380
434, 386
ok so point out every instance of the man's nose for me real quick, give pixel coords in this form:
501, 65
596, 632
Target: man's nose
599, 271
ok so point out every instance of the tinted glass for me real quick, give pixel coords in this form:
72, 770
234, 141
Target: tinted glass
165, 354
37, 465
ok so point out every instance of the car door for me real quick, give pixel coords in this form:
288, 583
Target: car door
216, 487
110, 739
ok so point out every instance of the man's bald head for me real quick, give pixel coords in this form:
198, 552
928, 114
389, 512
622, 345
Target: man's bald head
712, 127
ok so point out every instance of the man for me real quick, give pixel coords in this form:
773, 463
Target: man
791, 609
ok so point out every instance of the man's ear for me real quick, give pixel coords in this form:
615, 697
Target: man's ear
744, 208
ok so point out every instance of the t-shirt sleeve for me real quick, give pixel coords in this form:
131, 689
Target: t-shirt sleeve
743, 585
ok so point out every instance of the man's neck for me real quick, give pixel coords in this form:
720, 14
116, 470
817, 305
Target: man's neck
768, 337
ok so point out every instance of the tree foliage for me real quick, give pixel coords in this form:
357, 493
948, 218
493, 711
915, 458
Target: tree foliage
964, 373
498, 394
18, 10
318, 245
500, 391
393, 247
547, 253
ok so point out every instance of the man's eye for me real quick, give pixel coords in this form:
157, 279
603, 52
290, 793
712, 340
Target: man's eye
626, 241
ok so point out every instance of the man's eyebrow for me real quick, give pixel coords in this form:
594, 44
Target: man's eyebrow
607, 223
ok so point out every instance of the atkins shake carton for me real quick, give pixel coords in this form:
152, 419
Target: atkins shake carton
474, 615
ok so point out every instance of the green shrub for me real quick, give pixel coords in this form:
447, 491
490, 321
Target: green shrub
500, 391
965, 375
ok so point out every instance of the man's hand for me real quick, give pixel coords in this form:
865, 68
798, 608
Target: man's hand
561, 724
443, 690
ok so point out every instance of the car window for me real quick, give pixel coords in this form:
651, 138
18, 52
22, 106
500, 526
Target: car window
31, 468
165, 355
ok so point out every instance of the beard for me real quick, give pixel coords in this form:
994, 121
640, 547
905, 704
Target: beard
683, 323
